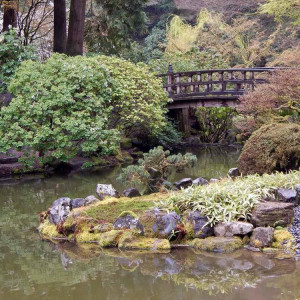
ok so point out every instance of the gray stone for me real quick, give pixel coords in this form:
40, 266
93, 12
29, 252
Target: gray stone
131, 192
165, 223
60, 210
106, 190
201, 228
234, 172
262, 237
287, 195
91, 199
233, 228
184, 183
200, 181
213, 180
272, 214
128, 220
79, 202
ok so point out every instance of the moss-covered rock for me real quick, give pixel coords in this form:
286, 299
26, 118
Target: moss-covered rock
49, 230
283, 239
87, 237
126, 143
273, 147
110, 239
130, 241
218, 244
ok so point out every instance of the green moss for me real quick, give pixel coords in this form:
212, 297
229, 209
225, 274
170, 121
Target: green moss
148, 219
130, 241
87, 237
283, 239
128, 212
110, 239
99, 161
49, 230
217, 244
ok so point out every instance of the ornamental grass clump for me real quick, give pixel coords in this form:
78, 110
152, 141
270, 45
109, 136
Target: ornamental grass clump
230, 199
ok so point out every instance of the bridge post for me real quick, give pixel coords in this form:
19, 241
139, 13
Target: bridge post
183, 116
170, 78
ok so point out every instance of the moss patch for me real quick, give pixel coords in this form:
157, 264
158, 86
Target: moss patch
50, 231
87, 237
110, 239
283, 239
218, 244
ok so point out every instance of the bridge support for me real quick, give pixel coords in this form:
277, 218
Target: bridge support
183, 116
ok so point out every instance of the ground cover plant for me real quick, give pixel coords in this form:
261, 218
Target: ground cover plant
229, 199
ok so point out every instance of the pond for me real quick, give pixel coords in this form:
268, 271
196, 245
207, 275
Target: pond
31, 268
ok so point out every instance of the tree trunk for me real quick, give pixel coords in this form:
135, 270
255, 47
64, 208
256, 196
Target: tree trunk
10, 14
76, 28
60, 26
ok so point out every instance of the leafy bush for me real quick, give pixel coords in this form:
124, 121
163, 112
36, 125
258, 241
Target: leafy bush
156, 164
12, 53
279, 100
274, 147
230, 199
214, 122
139, 102
60, 108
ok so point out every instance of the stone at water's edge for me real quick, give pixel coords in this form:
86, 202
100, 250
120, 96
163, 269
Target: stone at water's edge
128, 220
218, 244
272, 214
104, 190
183, 183
234, 172
131, 193
233, 228
197, 226
200, 181
262, 237
287, 195
60, 210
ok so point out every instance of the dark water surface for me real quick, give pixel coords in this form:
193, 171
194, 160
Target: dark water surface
34, 269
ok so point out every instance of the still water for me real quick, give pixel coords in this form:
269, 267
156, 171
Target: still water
34, 269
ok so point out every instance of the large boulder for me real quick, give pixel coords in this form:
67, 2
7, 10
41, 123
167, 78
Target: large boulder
128, 220
262, 237
60, 210
218, 244
197, 226
183, 183
272, 214
159, 223
287, 195
106, 190
233, 228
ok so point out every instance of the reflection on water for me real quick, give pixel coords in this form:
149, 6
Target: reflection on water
35, 269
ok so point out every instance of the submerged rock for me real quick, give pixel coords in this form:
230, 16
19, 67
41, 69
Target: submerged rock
233, 228
287, 195
200, 181
128, 220
60, 210
183, 183
272, 214
104, 190
218, 244
197, 226
234, 172
262, 237
131, 193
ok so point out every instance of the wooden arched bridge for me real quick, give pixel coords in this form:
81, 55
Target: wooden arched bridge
211, 88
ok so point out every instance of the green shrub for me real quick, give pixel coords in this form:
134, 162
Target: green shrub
230, 199
61, 108
214, 122
156, 164
12, 53
139, 102
274, 147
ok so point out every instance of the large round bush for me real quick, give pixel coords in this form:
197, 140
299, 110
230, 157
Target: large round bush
61, 108
274, 147
139, 102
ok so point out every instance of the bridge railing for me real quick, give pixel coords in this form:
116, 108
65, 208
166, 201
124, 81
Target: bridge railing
216, 82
